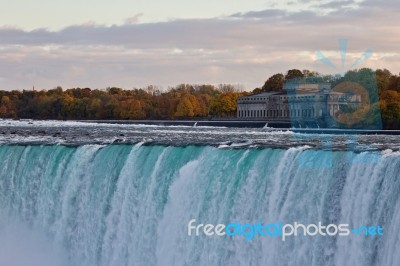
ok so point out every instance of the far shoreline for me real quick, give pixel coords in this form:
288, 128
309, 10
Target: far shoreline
231, 123
271, 125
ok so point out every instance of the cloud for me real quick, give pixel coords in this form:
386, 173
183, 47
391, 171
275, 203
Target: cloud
268, 13
241, 48
388, 4
134, 19
337, 4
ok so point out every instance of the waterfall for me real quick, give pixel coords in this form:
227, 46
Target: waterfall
131, 204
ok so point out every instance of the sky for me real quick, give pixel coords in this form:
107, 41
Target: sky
136, 43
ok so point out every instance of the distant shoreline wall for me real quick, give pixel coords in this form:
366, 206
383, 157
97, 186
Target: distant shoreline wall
273, 125
209, 123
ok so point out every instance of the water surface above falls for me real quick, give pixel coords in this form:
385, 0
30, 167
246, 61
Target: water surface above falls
75, 198
79, 133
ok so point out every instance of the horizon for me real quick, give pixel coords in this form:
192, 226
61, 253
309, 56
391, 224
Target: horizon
162, 89
133, 45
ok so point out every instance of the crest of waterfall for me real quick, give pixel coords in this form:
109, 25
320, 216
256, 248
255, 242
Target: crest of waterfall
130, 204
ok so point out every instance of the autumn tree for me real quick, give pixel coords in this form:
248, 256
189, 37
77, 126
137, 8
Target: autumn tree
7, 108
390, 108
383, 78
129, 109
185, 107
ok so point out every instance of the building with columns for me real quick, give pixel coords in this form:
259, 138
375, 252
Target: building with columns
298, 102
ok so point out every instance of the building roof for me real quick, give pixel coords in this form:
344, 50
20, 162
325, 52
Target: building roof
265, 94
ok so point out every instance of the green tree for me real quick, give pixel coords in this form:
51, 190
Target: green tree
257, 91
293, 74
274, 83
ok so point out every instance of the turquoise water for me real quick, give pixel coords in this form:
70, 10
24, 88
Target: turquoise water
130, 204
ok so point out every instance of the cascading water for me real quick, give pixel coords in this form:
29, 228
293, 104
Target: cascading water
131, 204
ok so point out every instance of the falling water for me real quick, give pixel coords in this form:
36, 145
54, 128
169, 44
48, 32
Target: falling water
130, 204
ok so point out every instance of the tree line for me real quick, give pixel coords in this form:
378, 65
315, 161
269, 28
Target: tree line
186, 101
